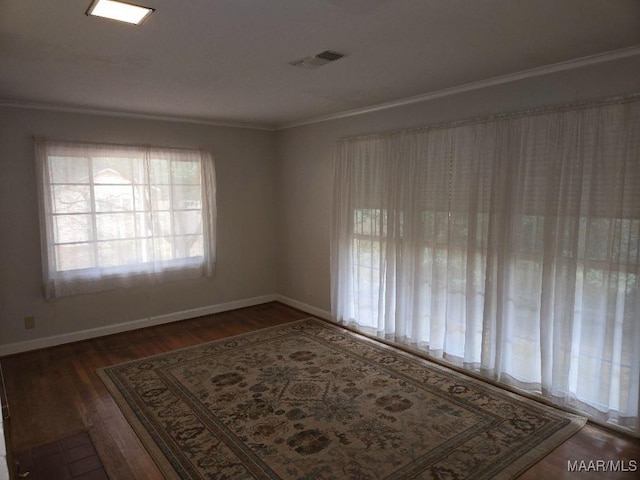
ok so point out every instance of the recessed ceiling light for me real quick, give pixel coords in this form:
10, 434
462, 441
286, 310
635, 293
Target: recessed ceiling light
124, 12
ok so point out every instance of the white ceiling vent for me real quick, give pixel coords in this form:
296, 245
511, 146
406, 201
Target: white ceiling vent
318, 60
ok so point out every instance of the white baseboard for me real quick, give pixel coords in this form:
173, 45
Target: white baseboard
318, 312
20, 347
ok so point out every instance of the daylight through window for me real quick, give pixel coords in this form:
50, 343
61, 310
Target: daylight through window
509, 246
115, 216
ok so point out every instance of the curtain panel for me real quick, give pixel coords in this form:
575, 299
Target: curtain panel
509, 246
116, 216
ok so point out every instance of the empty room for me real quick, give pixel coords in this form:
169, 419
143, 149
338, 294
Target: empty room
324, 239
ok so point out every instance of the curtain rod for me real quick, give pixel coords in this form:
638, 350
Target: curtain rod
504, 116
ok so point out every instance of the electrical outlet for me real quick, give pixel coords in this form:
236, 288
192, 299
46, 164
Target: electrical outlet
29, 322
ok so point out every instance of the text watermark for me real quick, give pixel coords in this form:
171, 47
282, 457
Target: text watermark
602, 466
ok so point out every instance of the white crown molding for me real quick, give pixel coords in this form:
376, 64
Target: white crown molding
511, 77
139, 116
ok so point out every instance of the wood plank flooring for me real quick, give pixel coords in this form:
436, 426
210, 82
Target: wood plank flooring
55, 392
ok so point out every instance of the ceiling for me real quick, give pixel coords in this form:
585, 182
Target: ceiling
228, 60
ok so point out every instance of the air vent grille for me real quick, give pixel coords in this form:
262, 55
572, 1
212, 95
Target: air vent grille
318, 60
330, 55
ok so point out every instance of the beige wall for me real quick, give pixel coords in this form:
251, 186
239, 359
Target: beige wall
246, 267
304, 159
274, 200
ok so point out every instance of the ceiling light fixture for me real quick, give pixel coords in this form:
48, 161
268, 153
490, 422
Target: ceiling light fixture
121, 11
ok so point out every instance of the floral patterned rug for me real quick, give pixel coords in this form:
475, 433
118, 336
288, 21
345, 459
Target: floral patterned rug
311, 400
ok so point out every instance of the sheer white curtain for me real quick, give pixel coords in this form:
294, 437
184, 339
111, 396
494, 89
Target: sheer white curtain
114, 216
509, 246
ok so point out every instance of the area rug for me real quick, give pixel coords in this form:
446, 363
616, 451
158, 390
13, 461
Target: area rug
311, 400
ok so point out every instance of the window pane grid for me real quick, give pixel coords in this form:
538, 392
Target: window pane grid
115, 216
171, 203
96, 255
117, 206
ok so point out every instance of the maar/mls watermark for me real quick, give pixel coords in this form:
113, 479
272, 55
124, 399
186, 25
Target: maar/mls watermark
602, 466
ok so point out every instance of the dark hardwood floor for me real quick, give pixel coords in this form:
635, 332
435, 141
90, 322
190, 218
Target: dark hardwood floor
55, 392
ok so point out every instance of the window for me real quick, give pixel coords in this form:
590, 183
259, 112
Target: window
114, 216
509, 246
